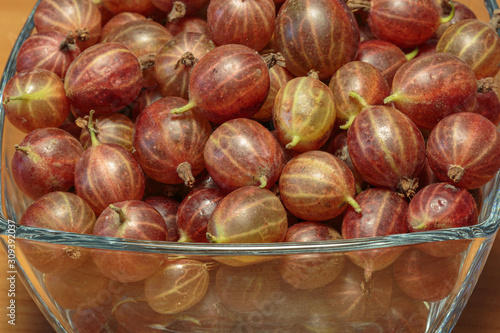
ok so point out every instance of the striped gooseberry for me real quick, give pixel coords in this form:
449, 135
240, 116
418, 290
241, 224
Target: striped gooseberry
78, 288
385, 56
61, 211
194, 213
209, 314
462, 12
131, 310
310, 271
406, 23
92, 319
34, 99
387, 149
442, 206
168, 146
51, 50
476, 43
231, 81
404, 313
304, 114
363, 79
117, 21
247, 289
105, 78
188, 24
338, 147
242, 152
177, 285
145, 98
426, 90
488, 105
464, 148
80, 16
248, 215
317, 186
132, 219
107, 173
358, 300
143, 38
175, 60
143, 7
44, 161
335, 41
110, 128
249, 23
383, 212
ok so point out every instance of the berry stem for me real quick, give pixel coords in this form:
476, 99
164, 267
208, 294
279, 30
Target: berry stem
120, 212
263, 181
390, 98
272, 59
449, 17
211, 238
486, 84
178, 11
82, 34
350, 200
28, 151
34, 96
359, 99
22, 149
412, 54
185, 173
348, 123
68, 44
191, 104
456, 172
92, 130
295, 141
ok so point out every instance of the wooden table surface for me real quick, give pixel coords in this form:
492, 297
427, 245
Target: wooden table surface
481, 315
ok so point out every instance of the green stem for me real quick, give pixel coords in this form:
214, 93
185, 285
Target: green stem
263, 181
211, 238
34, 96
359, 99
28, 151
120, 213
390, 98
191, 104
350, 200
294, 142
348, 123
22, 149
412, 54
92, 130
358, 188
449, 17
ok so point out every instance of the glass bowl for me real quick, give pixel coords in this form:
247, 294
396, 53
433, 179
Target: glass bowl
242, 287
